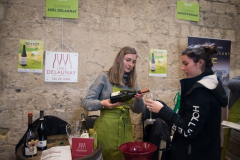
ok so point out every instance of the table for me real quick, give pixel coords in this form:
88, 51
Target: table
59, 140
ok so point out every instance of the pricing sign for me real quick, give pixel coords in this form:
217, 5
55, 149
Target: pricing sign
62, 8
187, 11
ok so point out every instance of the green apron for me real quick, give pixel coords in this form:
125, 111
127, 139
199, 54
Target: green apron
114, 128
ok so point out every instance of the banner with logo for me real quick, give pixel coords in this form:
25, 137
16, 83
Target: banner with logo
188, 11
62, 8
158, 63
61, 67
30, 56
221, 61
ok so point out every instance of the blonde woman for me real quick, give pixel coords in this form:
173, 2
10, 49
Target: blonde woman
114, 125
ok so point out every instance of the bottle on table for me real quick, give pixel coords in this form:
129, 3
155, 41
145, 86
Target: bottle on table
27, 152
42, 133
84, 132
23, 58
152, 63
125, 95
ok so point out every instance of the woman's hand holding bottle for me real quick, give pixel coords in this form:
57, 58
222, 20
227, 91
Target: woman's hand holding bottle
139, 96
107, 103
153, 106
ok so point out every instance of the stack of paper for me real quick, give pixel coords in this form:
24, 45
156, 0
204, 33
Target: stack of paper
57, 153
231, 125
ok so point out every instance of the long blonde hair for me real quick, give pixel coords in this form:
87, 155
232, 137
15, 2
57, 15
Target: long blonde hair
116, 72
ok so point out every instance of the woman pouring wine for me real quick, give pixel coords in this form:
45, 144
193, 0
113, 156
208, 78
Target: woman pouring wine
114, 125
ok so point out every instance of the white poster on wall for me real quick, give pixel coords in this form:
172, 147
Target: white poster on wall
61, 67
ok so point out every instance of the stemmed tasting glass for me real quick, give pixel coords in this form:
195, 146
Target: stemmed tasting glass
32, 141
150, 96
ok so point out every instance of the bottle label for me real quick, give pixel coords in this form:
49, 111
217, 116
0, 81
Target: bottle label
152, 66
30, 151
42, 143
84, 135
115, 93
23, 60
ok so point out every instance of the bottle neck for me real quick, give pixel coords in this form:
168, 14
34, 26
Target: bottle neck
144, 91
29, 122
83, 118
41, 115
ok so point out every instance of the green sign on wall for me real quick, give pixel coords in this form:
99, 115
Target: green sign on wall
187, 11
62, 8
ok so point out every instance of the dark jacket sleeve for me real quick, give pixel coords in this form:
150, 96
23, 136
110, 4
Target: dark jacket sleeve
196, 110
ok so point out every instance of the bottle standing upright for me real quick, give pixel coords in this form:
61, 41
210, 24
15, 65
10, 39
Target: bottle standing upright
42, 133
27, 152
152, 63
125, 95
84, 133
23, 58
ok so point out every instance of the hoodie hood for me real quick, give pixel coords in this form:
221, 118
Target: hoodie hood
215, 87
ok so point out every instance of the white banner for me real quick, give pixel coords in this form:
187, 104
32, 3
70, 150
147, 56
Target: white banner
61, 67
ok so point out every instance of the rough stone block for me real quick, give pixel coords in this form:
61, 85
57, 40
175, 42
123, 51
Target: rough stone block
137, 132
223, 0
210, 20
7, 152
205, 32
216, 33
218, 7
19, 12
229, 34
135, 118
231, 8
205, 6
225, 22
174, 30
234, 1
184, 30
195, 31
1, 11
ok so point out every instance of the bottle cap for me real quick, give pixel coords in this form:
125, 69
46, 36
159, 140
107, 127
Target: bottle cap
29, 113
145, 90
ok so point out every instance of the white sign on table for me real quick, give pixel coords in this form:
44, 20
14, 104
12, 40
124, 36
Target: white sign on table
61, 67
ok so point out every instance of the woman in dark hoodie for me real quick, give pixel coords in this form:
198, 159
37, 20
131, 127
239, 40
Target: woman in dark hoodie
197, 124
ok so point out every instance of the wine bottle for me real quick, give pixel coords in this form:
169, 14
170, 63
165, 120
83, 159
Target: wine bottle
23, 58
42, 133
84, 132
125, 95
27, 152
152, 63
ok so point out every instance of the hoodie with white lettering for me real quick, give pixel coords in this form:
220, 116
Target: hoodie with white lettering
197, 124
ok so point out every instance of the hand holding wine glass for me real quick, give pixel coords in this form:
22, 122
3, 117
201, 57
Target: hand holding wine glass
32, 141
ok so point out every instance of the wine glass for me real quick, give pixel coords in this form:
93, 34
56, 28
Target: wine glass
150, 96
32, 141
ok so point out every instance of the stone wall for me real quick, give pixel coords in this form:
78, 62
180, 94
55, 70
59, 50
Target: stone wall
103, 27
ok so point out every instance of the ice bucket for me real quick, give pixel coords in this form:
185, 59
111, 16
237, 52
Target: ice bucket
137, 150
73, 131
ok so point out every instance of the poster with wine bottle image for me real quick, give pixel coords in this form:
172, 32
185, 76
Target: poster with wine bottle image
158, 63
30, 55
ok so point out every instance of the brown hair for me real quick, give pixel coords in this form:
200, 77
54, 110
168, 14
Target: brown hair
116, 72
204, 52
